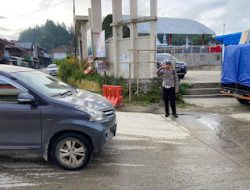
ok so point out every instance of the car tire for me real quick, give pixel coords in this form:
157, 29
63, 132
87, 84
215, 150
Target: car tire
71, 151
181, 76
243, 101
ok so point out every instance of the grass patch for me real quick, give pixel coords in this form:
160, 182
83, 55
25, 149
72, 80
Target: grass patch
71, 71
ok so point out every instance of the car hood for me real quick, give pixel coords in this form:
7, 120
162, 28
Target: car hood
88, 99
180, 63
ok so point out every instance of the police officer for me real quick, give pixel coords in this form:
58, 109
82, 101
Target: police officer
170, 87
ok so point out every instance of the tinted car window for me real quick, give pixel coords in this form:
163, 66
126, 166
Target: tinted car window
8, 92
165, 57
43, 83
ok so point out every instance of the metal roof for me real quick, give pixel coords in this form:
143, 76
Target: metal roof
25, 45
167, 25
229, 39
4, 42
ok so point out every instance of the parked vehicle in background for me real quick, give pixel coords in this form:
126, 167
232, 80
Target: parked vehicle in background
40, 113
52, 69
235, 79
180, 67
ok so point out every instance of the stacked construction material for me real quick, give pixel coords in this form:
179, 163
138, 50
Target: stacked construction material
236, 70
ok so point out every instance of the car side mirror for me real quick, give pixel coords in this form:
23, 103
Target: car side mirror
25, 98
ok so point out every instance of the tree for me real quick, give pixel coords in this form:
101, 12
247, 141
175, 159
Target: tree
106, 26
108, 20
49, 35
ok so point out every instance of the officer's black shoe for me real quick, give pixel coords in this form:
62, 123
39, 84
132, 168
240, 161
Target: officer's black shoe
166, 115
175, 115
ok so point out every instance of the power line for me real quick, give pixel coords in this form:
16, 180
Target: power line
44, 8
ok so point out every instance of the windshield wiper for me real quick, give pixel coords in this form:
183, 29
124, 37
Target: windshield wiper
68, 93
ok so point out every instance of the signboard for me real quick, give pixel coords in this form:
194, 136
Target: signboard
89, 43
100, 45
125, 59
245, 37
101, 66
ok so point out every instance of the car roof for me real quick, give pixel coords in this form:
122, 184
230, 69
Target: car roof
52, 65
13, 69
163, 54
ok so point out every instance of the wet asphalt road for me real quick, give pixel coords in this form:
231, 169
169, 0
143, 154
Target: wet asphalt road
149, 152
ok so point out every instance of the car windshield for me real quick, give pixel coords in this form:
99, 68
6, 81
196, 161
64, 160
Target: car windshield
165, 57
52, 66
43, 83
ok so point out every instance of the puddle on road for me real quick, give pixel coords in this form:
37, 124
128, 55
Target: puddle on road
125, 165
21, 173
13, 181
211, 121
130, 147
130, 138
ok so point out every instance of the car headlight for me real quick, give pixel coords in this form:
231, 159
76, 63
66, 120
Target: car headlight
95, 115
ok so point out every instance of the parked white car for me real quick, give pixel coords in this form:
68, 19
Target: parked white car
52, 69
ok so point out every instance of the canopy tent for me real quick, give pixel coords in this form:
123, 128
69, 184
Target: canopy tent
229, 39
170, 26
166, 25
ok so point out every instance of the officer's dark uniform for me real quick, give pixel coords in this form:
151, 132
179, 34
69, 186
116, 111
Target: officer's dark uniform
169, 87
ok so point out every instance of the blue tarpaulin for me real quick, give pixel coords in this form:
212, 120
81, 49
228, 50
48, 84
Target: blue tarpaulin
229, 39
244, 65
230, 65
236, 65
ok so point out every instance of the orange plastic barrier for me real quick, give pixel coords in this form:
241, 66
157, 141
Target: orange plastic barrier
113, 94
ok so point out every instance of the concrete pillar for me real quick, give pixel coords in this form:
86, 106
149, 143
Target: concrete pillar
80, 50
153, 36
203, 39
96, 21
133, 9
187, 40
89, 26
84, 40
117, 34
133, 37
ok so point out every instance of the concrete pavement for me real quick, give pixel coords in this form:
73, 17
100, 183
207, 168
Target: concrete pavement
202, 77
213, 102
149, 152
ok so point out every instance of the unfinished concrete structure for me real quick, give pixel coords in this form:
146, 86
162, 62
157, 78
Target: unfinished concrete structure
121, 52
134, 57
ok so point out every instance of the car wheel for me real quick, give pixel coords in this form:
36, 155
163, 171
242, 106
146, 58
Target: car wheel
71, 151
181, 76
243, 101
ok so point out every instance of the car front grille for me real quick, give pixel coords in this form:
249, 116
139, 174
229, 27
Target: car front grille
109, 112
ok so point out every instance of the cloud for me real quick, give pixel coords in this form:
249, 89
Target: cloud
3, 29
212, 13
2, 17
45, 3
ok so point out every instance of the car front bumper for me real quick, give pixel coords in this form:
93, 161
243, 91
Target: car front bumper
109, 128
181, 70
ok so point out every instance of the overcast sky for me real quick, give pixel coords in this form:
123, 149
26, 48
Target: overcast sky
17, 15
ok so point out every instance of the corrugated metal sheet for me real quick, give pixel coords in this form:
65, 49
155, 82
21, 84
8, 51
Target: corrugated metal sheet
25, 45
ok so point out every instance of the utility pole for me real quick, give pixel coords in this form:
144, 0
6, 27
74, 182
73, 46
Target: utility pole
224, 28
74, 21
